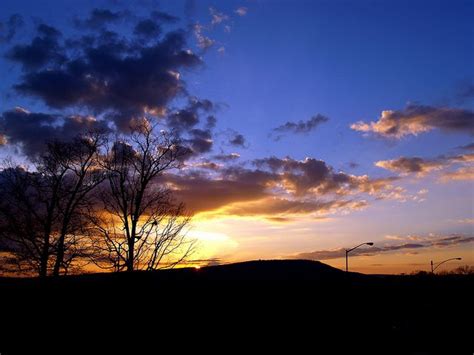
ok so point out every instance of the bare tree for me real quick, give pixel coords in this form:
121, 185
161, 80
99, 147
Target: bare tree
40, 210
26, 221
80, 158
138, 224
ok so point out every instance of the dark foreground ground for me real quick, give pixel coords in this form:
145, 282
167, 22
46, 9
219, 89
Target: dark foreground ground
286, 306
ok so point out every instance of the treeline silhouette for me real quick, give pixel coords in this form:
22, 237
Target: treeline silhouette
95, 200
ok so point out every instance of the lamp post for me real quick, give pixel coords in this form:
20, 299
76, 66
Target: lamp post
349, 250
433, 268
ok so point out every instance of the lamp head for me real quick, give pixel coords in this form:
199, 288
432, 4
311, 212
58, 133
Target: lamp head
458, 258
370, 243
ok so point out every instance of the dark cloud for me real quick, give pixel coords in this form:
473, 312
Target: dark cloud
44, 49
23, 129
468, 147
226, 157
163, 17
237, 140
200, 140
422, 166
105, 72
438, 242
300, 127
9, 28
309, 174
409, 165
99, 18
211, 121
416, 119
147, 29
188, 117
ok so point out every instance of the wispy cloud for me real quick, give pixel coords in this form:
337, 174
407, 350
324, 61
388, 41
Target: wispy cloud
299, 127
407, 245
217, 16
422, 166
241, 11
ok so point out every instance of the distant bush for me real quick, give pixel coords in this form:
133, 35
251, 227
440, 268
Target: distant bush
462, 270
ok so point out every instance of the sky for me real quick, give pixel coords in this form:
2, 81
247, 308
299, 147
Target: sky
315, 125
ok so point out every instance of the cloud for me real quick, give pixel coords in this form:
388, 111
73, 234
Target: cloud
315, 176
466, 174
408, 165
200, 140
9, 28
99, 18
226, 157
105, 72
283, 209
237, 140
241, 11
422, 166
468, 147
283, 188
201, 193
147, 29
217, 16
188, 117
300, 127
416, 119
22, 128
43, 49
203, 41
425, 243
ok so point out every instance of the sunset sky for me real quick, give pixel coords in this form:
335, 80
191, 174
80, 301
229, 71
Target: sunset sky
315, 125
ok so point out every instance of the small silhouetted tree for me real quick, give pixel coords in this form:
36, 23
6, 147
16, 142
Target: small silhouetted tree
135, 222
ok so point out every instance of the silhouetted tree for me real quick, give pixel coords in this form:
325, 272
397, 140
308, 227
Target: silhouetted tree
40, 210
135, 221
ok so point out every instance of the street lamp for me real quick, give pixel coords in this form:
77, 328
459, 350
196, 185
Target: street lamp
437, 266
349, 250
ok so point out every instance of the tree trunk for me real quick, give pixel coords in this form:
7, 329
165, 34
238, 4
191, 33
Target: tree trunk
131, 252
44, 258
59, 256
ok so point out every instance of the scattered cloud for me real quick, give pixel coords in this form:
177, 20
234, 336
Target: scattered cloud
237, 140
416, 119
300, 127
203, 41
217, 16
241, 11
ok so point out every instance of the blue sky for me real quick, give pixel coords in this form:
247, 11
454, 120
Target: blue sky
287, 61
